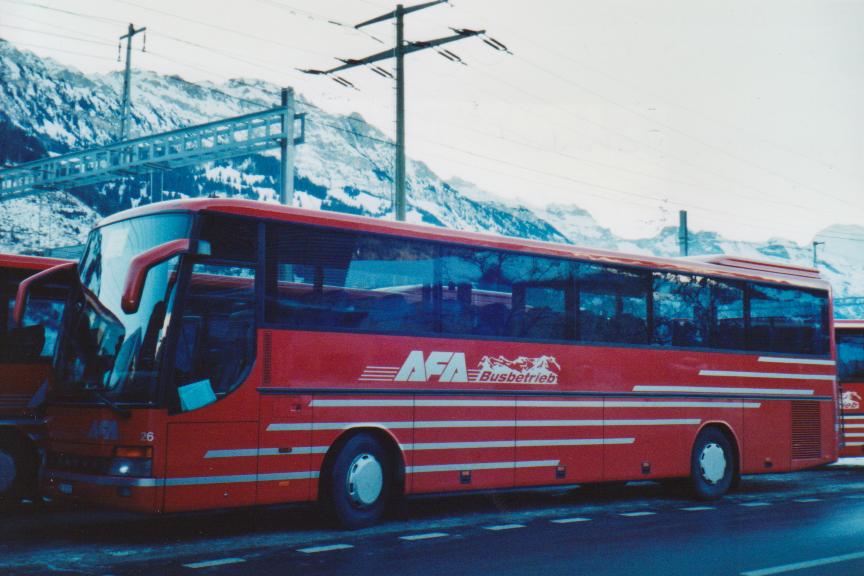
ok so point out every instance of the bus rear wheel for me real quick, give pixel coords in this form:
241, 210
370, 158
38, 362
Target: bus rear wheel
359, 482
712, 465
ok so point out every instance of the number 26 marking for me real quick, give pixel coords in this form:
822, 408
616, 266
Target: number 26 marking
148, 436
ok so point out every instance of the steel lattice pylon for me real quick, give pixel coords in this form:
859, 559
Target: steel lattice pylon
227, 138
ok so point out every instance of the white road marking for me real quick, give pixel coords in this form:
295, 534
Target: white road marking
854, 496
328, 548
637, 514
755, 504
807, 500
211, 563
427, 536
698, 508
570, 520
499, 527
804, 565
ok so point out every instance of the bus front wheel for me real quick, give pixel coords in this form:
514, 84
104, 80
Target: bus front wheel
712, 465
359, 482
13, 470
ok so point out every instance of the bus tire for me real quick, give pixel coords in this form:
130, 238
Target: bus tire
712, 465
14, 470
359, 482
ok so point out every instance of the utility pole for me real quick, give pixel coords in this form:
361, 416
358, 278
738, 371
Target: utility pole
286, 145
127, 79
399, 51
683, 233
815, 259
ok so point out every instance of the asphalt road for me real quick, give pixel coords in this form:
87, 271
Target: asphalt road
802, 524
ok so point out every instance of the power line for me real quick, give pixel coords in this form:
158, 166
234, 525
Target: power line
61, 50
724, 123
55, 34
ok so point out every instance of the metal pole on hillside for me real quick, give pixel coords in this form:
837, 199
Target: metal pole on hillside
286, 144
815, 259
127, 80
399, 200
683, 233
399, 51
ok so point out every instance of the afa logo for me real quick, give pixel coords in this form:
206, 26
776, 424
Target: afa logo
851, 400
448, 366
452, 367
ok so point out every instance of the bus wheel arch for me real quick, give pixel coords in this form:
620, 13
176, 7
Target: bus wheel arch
18, 464
715, 461
362, 472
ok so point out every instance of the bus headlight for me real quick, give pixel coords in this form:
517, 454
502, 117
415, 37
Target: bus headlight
131, 461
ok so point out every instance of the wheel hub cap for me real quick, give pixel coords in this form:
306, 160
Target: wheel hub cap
7, 472
712, 460
365, 480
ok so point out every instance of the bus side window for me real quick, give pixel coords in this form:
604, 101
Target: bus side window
788, 320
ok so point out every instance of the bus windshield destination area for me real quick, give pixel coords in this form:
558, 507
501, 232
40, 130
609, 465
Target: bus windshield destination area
282, 355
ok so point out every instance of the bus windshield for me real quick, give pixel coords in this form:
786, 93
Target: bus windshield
850, 355
105, 352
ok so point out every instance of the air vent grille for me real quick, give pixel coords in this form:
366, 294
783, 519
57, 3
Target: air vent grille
267, 375
806, 436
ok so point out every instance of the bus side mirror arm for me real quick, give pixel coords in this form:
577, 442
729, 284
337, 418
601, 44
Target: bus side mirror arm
24, 287
141, 264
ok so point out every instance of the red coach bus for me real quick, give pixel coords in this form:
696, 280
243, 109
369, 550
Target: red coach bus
850, 375
229, 353
25, 363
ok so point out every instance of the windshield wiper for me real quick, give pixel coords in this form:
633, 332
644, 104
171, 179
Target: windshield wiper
122, 412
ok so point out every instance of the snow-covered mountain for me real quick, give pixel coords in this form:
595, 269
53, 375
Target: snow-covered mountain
344, 165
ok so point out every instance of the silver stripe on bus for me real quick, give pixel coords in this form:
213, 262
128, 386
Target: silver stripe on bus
529, 404
246, 452
101, 480
854, 417
723, 390
480, 466
777, 375
190, 481
854, 443
779, 360
853, 425
854, 435
517, 443
240, 478
281, 427
428, 446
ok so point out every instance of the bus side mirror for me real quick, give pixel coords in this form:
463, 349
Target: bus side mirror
141, 264
27, 284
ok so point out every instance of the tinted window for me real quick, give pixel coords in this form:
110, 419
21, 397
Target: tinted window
788, 320
340, 280
216, 342
681, 309
43, 313
728, 328
850, 355
613, 304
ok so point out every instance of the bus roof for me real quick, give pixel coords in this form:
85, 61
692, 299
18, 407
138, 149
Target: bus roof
22, 262
723, 265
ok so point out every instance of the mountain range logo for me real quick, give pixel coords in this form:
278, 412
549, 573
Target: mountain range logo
851, 400
522, 370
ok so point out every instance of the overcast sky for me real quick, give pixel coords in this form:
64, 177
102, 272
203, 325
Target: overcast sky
749, 114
